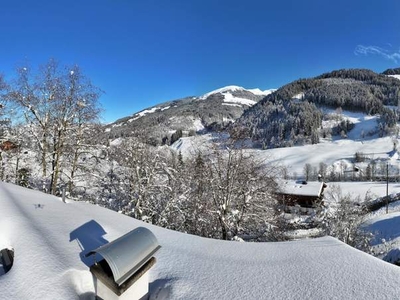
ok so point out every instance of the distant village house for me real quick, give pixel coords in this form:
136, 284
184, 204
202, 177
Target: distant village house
302, 193
8, 146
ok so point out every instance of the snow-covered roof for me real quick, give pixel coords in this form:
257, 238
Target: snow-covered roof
50, 263
302, 188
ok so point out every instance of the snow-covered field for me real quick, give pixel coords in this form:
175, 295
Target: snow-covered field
49, 242
361, 190
295, 158
335, 153
326, 152
332, 152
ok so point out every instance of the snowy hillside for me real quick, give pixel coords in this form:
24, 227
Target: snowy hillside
335, 151
211, 111
292, 114
331, 153
49, 242
395, 76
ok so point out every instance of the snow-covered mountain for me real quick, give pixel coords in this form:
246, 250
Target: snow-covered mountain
294, 114
211, 111
50, 239
291, 115
238, 91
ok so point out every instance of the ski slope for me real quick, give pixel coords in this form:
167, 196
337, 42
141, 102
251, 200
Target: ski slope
50, 240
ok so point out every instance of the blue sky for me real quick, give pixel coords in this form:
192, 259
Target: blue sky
146, 52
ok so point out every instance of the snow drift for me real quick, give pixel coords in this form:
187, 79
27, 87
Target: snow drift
50, 241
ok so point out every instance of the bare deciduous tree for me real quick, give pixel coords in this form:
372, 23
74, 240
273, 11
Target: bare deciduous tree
307, 171
55, 102
345, 221
233, 191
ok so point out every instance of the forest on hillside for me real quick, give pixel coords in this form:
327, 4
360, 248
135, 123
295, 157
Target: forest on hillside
168, 121
292, 114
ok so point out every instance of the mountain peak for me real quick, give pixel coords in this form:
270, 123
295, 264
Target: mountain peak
235, 88
223, 90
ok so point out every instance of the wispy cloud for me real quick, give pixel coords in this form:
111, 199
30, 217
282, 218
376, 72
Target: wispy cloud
375, 50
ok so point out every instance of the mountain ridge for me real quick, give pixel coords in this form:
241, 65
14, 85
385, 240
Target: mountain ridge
187, 116
281, 120
290, 115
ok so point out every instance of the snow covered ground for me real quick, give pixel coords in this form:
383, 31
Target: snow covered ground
334, 152
294, 158
361, 190
49, 242
386, 231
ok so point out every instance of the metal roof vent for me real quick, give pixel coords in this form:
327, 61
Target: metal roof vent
6, 260
126, 260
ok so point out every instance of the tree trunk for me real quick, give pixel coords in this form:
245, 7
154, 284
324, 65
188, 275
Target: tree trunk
223, 228
44, 147
75, 159
1, 166
55, 163
73, 170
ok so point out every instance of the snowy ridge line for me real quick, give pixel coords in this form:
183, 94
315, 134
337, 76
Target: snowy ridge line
260, 92
232, 88
222, 90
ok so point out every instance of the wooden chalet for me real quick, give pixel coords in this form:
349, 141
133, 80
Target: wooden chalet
302, 193
8, 146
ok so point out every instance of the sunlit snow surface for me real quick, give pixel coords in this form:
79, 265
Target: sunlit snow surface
144, 112
229, 98
48, 242
395, 76
260, 92
333, 152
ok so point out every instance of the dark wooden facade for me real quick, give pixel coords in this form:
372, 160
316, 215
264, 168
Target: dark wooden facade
301, 193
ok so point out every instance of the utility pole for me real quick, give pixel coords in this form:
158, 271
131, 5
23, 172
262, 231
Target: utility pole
387, 187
